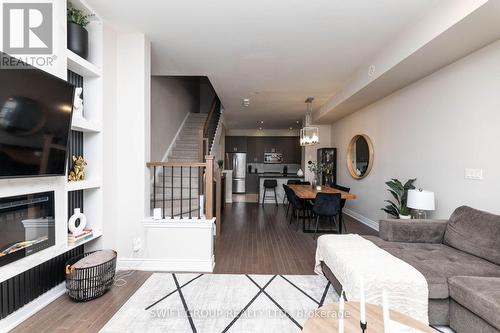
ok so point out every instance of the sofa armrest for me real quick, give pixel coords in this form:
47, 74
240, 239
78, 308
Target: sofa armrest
412, 231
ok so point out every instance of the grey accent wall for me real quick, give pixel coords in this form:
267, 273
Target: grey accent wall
432, 130
172, 98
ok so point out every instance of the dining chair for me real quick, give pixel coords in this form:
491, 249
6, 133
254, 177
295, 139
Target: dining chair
342, 204
299, 207
289, 182
303, 183
326, 205
288, 194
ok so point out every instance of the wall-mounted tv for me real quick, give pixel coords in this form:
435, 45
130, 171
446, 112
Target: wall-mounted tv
35, 120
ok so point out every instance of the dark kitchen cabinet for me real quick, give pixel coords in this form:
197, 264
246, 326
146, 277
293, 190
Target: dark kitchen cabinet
252, 183
236, 144
292, 152
256, 146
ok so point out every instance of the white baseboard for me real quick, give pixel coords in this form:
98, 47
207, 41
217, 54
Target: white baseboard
363, 219
169, 265
16, 318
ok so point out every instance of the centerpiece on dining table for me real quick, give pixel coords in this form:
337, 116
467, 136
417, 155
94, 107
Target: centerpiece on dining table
318, 169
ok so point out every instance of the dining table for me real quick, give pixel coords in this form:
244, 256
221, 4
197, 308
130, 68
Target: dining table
309, 192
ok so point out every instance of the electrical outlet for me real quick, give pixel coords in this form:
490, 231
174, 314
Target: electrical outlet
473, 174
137, 244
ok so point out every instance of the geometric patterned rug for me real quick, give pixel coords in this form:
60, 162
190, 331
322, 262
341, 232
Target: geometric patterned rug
207, 303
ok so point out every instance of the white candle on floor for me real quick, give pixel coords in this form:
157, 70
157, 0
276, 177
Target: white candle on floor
362, 305
385, 312
341, 313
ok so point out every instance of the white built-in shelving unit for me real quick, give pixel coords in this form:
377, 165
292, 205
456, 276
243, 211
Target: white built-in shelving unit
91, 125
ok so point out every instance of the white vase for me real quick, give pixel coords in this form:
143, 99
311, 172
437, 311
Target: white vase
300, 173
77, 216
404, 217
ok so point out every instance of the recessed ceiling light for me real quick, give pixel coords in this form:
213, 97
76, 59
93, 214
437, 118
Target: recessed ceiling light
262, 121
245, 102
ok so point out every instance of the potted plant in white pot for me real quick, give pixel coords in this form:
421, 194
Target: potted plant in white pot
399, 191
78, 36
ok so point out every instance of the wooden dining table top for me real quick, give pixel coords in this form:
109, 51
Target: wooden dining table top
308, 192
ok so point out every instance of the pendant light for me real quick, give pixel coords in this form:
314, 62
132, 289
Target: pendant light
309, 135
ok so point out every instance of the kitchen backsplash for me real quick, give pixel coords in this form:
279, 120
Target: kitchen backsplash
262, 168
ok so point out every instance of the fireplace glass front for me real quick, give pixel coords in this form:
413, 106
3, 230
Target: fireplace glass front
26, 225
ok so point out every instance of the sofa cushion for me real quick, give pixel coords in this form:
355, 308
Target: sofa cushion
475, 232
437, 263
480, 295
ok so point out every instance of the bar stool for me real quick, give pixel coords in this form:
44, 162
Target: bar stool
270, 184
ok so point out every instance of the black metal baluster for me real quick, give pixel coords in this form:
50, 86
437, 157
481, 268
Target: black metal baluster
181, 190
163, 190
189, 189
172, 194
154, 186
199, 208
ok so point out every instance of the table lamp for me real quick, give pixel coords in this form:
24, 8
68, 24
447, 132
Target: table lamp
420, 201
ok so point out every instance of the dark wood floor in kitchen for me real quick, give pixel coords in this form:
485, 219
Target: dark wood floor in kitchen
255, 240
258, 239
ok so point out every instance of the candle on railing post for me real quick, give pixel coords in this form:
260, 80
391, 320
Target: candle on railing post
385, 312
341, 312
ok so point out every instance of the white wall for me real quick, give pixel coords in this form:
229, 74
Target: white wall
432, 130
131, 146
172, 98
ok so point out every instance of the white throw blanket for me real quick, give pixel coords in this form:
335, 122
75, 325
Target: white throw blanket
351, 257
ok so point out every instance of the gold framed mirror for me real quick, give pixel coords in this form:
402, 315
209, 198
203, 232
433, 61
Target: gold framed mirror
360, 156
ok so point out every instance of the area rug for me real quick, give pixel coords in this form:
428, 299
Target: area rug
209, 303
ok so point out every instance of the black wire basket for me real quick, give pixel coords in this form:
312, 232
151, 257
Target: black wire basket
85, 284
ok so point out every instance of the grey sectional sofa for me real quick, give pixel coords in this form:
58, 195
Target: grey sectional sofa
460, 259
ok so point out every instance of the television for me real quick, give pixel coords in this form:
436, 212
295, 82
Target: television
35, 120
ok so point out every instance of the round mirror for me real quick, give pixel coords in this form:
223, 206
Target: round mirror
360, 156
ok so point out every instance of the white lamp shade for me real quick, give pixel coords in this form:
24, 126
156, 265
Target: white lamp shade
420, 199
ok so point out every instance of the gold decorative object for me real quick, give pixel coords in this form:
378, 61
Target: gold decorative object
78, 170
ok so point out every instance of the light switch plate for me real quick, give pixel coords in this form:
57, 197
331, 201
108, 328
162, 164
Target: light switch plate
474, 174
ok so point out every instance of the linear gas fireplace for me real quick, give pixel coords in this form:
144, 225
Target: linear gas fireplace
26, 225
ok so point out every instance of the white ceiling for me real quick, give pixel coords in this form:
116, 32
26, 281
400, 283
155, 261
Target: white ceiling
275, 52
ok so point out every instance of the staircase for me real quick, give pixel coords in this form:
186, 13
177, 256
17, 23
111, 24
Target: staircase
178, 189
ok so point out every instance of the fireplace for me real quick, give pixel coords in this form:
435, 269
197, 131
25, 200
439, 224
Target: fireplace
26, 225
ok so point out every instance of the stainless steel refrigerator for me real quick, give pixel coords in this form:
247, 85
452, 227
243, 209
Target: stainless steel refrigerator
238, 163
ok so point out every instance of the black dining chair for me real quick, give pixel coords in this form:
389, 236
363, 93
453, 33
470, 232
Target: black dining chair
289, 182
342, 204
268, 185
288, 194
326, 205
303, 183
300, 208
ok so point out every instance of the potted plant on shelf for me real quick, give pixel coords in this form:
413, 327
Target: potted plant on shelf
399, 191
78, 36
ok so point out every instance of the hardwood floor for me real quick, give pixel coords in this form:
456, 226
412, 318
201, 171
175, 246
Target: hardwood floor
255, 239
259, 240
64, 315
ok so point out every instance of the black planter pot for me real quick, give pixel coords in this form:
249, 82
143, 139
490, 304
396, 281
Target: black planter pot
78, 39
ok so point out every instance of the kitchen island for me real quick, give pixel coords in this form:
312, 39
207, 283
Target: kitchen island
280, 179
